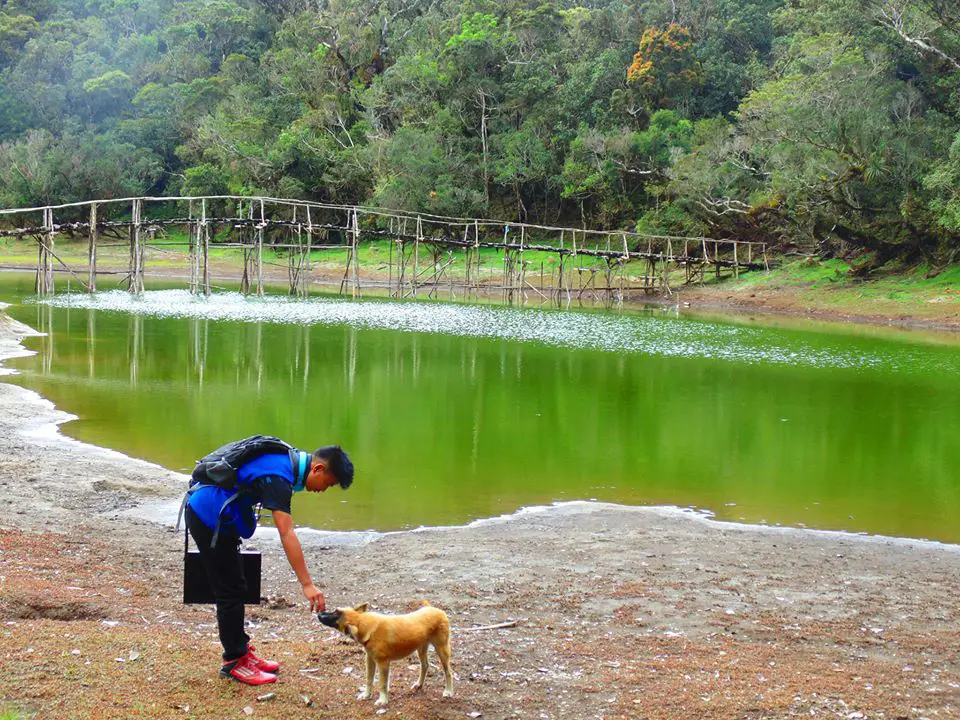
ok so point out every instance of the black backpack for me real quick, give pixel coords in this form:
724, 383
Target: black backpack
220, 466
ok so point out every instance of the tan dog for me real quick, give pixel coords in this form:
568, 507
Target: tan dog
392, 637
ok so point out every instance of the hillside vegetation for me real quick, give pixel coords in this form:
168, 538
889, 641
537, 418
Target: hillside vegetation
832, 124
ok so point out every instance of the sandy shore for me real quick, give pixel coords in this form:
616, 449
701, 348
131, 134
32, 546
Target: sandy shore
621, 612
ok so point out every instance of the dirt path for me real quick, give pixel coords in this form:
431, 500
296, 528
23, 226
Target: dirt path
621, 612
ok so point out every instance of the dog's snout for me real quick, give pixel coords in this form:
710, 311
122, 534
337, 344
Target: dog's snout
329, 618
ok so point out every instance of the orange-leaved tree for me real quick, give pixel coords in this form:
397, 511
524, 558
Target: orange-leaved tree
665, 71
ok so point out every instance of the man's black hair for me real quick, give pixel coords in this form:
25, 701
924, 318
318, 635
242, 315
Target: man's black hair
338, 463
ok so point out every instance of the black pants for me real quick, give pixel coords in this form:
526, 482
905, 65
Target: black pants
225, 575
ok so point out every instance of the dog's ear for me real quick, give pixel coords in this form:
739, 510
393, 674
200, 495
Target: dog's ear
362, 607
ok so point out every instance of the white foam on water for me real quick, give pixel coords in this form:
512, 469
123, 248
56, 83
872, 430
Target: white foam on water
661, 336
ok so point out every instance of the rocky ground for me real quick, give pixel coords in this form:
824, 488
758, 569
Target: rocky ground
618, 612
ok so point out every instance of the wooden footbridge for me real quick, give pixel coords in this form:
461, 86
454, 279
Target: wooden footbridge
427, 253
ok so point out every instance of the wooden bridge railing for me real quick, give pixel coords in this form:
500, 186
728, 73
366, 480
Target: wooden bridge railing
301, 227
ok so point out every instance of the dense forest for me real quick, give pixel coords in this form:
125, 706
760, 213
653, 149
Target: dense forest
833, 123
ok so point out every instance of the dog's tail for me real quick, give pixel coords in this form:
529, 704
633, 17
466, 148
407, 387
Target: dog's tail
425, 603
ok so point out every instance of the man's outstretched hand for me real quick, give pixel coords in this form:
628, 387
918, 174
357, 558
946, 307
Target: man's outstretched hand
318, 603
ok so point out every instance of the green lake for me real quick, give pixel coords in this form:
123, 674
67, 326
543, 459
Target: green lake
458, 412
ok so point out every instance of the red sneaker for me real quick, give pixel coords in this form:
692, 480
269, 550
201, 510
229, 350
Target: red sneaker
245, 670
267, 666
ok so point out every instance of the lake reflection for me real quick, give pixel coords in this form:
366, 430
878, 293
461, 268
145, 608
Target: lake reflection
447, 421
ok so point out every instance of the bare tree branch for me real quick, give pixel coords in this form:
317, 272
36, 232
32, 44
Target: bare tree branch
723, 206
890, 15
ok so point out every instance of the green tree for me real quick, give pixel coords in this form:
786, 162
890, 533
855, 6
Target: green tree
422, 171
108, 94
611, 171
43, 169
836, 161
943, 181
15, 30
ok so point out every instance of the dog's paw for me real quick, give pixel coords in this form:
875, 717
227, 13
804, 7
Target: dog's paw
416, 686
382, 700
364, 694
448, 693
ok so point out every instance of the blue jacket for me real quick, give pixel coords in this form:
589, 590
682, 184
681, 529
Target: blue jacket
239, 517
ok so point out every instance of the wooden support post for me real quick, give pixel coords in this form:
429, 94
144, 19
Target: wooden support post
736, 262
506, 262
401, 265
306, 264
141, 245
391, 240
193, 231
134, 251
542, 296
623, 267
559, 290
664, 283
135, 280
259, 249
356, 255
478, 278
44, 282
520, 270
295, 256
466, 260
416, 253
579, 265
247, 241
450, 255
204, 255
435, 278
608, 294
292, 254
560, 257
350, 252
93, 235
706, 260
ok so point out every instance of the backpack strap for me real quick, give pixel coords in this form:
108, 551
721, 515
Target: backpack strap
300, 462
216, 530
183, 507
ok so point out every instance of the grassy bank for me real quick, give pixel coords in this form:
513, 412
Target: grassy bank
826, 288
